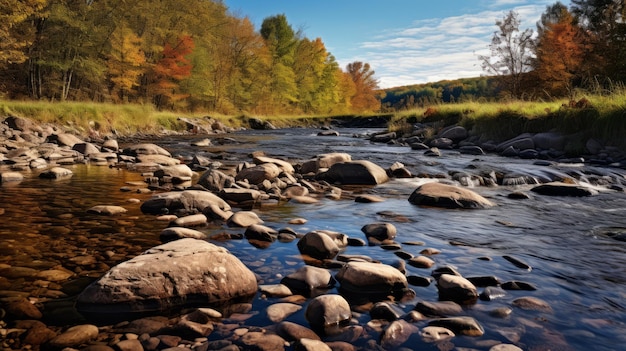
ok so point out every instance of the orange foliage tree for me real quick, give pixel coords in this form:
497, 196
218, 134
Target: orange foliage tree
365, 85
559, 51
170, 70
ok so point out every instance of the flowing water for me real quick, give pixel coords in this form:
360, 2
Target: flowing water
578, 266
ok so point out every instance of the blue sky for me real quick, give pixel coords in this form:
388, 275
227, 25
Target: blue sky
404, 41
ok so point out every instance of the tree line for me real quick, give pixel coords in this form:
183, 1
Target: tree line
572, 49
191, 55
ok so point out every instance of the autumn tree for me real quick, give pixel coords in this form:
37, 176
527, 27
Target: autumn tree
170, 70
365, 97
510, 53
16, 35
558, 51
125, 62
281, 41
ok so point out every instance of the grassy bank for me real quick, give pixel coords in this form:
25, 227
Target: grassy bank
600, 117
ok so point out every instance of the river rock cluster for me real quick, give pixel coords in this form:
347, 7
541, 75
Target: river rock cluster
150, 302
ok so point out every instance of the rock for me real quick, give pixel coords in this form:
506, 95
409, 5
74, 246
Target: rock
167, 276
326, 313
64, 139
279, 311
56, 173
283, 165
518, 262
145, 149
128, 345
492, 293
549, 141
436, 334
379, 231
37, 334
386, 311
75, 336
86, 148
327, 160
396, 334
505, 347
111, 145
441, 143
532, 303
240, 196
328, 133
155, 161
521, 142
563, 189
21, 308
456, 288
421, 262
471, 150
355, 173
178, 173
371, 278
439, 308
260, 232
291, 331
308, 279
318, 245
460, 325
6, 177
367, 198
455, 133
188, 201
194, 220
261, 341
518, 285
259, 124
276, 290
244, 219
107, 210
215, 180
433, 152
176, 233
311, 345
447, 196
259, 173
55, 275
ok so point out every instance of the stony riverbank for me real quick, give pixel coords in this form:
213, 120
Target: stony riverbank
150, 301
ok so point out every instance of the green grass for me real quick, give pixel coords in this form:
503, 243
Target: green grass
603, 117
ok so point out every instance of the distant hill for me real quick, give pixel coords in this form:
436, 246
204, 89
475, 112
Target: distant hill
445, 91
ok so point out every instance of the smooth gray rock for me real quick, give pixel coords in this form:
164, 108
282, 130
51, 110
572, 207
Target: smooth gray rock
564, 189
360, 172
318, 245
448, 196
326, 313
371, 278
170, 275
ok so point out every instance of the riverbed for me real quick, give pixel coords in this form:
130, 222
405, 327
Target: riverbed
577, 264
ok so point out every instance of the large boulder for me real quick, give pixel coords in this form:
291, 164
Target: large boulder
188, 201
447, 196
259, 173
323, 161
360, 172
145, 149
176, 274
215, 180
563, 189
371, 278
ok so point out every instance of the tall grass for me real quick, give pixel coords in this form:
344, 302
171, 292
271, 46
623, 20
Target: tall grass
597, 116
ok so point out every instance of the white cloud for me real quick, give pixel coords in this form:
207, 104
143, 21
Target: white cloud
440, 48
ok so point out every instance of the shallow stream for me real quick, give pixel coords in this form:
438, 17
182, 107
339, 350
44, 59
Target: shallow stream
578, 266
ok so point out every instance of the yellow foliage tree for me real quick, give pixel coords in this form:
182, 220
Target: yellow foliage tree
125, 62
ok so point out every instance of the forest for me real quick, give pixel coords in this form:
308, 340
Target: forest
190, 55
573, 50
195, 55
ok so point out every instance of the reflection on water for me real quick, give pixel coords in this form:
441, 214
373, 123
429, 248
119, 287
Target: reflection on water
578, 269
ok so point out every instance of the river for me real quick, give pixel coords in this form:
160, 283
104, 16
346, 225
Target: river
578, 266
